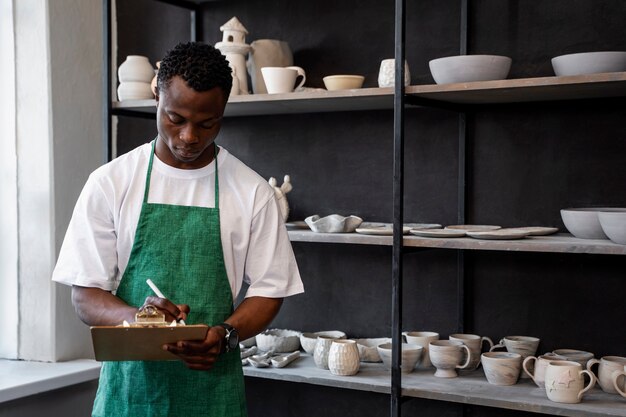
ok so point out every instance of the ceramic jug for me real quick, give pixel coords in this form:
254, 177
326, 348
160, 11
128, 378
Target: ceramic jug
343, 357
266, 53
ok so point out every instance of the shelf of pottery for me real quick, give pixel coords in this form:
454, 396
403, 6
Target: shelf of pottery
507, 375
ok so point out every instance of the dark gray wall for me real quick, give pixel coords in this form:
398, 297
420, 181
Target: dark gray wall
526, 163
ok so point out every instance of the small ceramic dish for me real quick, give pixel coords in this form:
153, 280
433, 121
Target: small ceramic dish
278, 340
333, 223
343, 82
308, 340
537, 230
473, 227
368, 351
500, 234
437, 232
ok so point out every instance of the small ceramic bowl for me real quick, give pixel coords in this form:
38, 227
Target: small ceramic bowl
278, 340
614, 226
411, 355
469, 68
368, 348
574, 355
248, 342
343, 82
584, 223
308, 340
333, 223
589, 63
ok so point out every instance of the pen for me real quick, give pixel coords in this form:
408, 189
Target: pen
160, 294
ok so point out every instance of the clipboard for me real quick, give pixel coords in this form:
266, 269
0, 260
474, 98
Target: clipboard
117, 343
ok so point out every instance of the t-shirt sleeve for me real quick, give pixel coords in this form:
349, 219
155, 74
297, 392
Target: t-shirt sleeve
88, 256
271, 268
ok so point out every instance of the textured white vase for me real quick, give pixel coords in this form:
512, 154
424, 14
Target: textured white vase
134, 90
136, 68
343, 357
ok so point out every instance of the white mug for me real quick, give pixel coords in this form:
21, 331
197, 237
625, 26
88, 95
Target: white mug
282, 79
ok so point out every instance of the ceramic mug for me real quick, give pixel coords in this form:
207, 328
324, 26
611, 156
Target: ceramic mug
579, 356
524, 345
422, 339
447, 356
608, 365
620, 387
343, 357
387, 73
502, 368
538, 365
320, 354
475, 345
282, 79
565, 382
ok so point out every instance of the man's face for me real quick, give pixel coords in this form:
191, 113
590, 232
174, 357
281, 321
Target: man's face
188, 122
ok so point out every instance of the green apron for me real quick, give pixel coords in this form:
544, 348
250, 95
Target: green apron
180, 249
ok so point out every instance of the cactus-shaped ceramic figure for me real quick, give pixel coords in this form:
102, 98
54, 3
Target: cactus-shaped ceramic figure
281, 194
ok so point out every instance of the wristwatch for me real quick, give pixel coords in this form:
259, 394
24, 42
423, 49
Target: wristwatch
231, 338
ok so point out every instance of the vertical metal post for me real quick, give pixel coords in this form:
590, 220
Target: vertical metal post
398, 209
195, 15
106, 82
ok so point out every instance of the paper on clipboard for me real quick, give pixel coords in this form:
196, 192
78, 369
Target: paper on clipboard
117, 343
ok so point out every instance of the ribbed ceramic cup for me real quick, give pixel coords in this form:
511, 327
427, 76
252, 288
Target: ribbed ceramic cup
608, 365
343, 357
565, 382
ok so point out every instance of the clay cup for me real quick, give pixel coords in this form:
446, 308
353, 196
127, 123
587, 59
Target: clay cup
608, 365
502, 368
565, 382
447, 357
475, 345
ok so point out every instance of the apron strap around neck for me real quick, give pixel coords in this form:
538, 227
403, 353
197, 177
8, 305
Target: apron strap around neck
149, 175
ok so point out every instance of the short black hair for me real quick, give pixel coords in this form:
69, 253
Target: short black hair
201, 66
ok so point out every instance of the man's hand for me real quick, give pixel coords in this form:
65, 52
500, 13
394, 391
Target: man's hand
200, 355
172, 311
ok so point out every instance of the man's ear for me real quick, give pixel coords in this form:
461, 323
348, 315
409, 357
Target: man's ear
156, 96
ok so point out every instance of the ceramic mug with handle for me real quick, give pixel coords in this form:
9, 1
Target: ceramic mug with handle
565, 382
535, 367
620, 387
475, 345
282, 79
607, 366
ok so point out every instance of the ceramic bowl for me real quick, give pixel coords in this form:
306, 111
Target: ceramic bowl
343, 82
502, 368
574, 355
308, 340
278, 340
584, 223
333, 223
614, 226
468, 68
589, 63
368, 348
411, 355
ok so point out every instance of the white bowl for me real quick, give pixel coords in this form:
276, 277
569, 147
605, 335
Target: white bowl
411, 355
368, 348
308, 340
614, 226
468, 68
334, 223
589, 63
343, 82
584, 223
278, 340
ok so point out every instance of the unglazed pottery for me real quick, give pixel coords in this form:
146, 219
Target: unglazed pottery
580, 356
248, 342
502, 368
608, 365
343, 82
234, 47
447, 355
524, 345
280, 80
614, 226
469, 68
333, 223
473, 227
281, 194
422, 339
278, 340
343, 357
387, 73
320, 354
619, 382
535, 367
266, 53
537, 230
565, 382
438, 232
309, 340
280, 361
589, 63
411, 355
368, 348
584, 223
134, 90
500, 234
136, 68
475, 345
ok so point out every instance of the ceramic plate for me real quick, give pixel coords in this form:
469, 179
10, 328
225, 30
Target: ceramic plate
380, 230
299, 224
437, 233
473, 227
537, 230
501, 234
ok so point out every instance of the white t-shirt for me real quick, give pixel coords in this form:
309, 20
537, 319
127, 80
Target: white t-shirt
101, 233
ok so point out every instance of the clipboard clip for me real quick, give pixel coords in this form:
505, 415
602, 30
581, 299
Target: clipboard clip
149, 315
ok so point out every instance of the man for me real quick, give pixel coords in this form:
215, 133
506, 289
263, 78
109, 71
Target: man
186, 214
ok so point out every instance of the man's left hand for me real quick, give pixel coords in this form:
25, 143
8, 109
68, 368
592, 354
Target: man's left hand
200, 355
